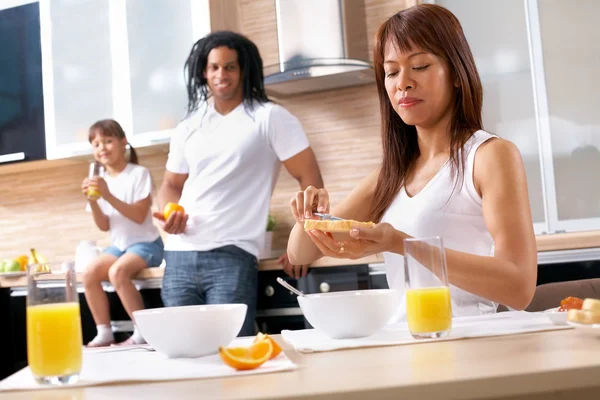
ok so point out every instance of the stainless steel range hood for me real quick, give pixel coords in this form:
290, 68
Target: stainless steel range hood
323, 45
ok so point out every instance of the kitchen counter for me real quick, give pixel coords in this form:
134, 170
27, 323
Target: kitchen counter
264, 265
568, 241
548, 246
546, 365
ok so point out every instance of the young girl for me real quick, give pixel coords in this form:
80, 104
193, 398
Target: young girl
124, 210
441, 174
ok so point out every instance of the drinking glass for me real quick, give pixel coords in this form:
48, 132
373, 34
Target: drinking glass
428, 305
96, 170
54, 340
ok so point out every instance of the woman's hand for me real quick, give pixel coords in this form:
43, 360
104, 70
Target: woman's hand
364, 242
101, 186
304, 203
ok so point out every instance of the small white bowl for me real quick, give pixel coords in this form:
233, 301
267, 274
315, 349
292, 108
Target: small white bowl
557, 317
190, 331
350, 314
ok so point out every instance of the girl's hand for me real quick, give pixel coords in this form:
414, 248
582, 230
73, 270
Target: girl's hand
364, 242
85, 185
304, 203
101, 186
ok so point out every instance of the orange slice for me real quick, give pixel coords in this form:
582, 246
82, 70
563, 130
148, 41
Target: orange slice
244, 358
276, 347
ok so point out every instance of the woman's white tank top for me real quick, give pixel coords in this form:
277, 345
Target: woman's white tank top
451, 211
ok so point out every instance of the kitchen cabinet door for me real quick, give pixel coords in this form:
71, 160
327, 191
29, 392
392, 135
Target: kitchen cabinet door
160, 35
77, 72
504, 64
569, 33
120, 59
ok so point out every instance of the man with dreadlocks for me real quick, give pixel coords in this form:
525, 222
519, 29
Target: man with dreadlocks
223, 162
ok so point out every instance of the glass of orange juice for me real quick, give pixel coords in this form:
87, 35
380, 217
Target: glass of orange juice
428, 305
96, 170
54, 340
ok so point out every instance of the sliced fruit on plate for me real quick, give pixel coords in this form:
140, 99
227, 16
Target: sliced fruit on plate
245, 358
276, 347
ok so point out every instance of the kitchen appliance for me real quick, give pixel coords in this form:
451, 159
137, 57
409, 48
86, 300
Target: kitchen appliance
322, 45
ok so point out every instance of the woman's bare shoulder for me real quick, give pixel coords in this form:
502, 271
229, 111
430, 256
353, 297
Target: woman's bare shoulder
497, 159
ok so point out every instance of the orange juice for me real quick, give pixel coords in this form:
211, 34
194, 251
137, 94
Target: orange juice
93, 193
54, 339
428, 310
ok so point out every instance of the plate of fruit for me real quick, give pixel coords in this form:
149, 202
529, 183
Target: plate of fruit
16, 267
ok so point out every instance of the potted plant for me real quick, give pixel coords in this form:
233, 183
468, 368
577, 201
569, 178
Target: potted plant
268, 243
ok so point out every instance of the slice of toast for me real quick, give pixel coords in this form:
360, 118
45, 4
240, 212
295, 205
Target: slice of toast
591, 305
335, 225
337, 229
589, 313
583, 317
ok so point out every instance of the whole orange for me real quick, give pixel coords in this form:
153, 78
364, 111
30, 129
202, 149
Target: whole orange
170, 208
23, 260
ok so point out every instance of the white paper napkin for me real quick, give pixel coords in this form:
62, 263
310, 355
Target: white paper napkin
505, 323
111, 365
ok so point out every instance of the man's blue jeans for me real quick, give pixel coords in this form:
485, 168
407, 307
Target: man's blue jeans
224, 275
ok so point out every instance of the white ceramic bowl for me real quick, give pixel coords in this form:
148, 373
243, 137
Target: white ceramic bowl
557, 317
190, 331
350, 314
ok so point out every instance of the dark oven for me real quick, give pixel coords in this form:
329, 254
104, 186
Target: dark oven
278, 308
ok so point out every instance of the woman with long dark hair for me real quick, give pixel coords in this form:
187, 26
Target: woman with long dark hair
441, 174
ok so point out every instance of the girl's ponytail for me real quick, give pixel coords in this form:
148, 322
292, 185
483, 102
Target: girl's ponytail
133, 158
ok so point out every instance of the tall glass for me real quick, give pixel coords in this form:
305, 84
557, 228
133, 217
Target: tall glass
96, 170
54, 340
428, 306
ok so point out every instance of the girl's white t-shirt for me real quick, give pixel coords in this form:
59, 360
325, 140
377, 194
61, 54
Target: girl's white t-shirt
133, 184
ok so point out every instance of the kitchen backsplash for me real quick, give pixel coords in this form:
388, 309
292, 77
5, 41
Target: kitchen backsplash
45, 208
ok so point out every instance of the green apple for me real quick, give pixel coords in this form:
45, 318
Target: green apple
1, 266
11, 266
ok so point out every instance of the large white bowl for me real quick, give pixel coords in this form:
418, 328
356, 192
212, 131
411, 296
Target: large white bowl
350, 314
190, 331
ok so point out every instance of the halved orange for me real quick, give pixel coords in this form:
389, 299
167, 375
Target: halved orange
244, 358
276, 347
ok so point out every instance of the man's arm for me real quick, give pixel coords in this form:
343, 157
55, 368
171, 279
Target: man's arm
171, 188
304, 167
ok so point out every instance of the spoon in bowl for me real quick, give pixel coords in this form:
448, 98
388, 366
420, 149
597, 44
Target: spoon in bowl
289, 287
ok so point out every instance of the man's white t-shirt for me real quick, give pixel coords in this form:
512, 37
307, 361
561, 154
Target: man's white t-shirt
132, 184
233, 161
